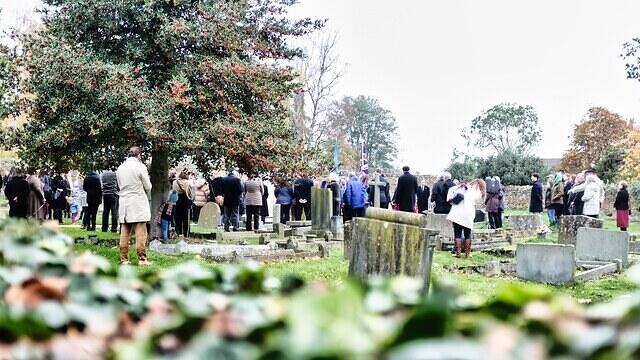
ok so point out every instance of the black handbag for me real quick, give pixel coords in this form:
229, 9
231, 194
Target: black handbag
457, 199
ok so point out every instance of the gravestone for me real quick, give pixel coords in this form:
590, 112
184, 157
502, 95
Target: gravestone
439, 222
388, 242
547, 263
209, 216
348, 227
602, 245
276, 215
337, 227
525, 222
569, 225
321, 208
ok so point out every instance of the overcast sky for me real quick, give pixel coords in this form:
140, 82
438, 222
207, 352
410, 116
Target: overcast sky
437, 64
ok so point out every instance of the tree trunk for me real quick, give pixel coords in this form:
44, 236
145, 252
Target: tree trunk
159, 176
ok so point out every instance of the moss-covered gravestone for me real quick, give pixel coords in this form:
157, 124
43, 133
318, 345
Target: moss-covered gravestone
391, 242
321, 209
569, 225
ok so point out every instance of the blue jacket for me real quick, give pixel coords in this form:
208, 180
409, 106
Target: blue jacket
355, 196
284, 195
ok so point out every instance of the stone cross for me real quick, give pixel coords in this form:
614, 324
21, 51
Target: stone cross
376, 190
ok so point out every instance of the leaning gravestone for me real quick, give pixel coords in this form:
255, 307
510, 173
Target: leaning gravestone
547, 263
602, 245
321, 209
209, 216
391, 242
525, 222
569, 225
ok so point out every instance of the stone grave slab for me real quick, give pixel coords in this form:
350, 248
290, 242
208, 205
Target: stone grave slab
209, 216
602, 245
569, 225
276, 216
547, 263
527, 222
337, 227
388, 242
348, 231
321, 208
439, 222
299, 223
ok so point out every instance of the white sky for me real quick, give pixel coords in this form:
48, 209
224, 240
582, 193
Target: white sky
437, 64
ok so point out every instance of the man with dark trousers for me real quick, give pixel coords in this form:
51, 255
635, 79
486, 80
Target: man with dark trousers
110, 200
231, 191
94, 198
302, 196
406, 191
536, 202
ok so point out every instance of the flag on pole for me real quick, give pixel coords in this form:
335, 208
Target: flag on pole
364, 160
336, 157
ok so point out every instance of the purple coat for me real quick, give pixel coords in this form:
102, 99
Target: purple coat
493, 203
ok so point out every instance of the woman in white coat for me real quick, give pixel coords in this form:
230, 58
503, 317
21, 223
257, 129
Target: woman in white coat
463, 199
593, 196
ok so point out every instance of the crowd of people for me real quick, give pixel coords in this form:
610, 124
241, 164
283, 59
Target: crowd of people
125, 197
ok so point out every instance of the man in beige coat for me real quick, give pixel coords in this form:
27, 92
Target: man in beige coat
133, 212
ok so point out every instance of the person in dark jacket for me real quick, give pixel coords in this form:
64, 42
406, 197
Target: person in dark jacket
576, 205
45, 180
536, 201
424, 193
61, 191
566, 210
110, 191
264, 212
354, 198
17, 192
93, 187
284, 197
336, 193
622, 206
232, 193
406, 191
302, 196
439, 194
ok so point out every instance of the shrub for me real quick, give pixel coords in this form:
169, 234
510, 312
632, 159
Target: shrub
59, 305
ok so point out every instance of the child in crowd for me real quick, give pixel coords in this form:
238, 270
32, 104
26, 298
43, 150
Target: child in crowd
166, 215
74, 209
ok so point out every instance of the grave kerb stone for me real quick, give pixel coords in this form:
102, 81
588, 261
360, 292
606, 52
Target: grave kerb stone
602, 245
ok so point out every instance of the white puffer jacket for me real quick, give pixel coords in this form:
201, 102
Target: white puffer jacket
465, 212
593, 196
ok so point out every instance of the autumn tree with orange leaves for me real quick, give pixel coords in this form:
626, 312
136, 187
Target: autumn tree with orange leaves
599, 131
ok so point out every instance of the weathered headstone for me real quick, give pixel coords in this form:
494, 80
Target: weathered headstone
602, 245
321, 208
439, 222
276, 215
390, 242
569, 225
348, 232
376, 183
337, 227
209, 216
525, 222
547, 263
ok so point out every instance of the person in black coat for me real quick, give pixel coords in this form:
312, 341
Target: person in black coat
232, 193
60, 191
566, 210
93, 187
17, 192
406, 191
385, 196
264, 212
622, 206
302, 196
439, 194
424, 194
536, 201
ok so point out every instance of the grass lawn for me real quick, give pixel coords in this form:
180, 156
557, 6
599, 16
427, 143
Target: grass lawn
334, 269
